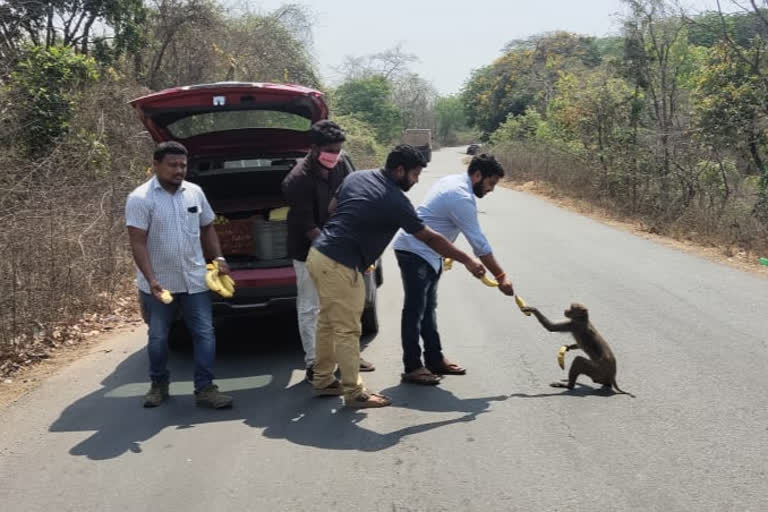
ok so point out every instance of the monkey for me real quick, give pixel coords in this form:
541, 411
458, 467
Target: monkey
601, 365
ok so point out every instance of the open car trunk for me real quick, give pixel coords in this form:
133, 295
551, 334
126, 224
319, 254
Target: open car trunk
246, 196
243, 138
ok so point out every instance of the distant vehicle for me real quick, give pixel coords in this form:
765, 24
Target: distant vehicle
421, 139
473, 149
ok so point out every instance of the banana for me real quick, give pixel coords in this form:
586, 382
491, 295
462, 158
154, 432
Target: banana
447, 264
212, 279
561, 356
487, 281
221, 284
521, 304
227, 286
166, 297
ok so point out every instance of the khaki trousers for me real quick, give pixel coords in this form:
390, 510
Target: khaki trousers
342, 298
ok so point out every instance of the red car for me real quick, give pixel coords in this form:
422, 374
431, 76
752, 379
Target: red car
243, 138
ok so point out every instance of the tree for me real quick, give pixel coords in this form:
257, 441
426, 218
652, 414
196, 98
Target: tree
196, 41
449, 117
390, 64
43, 90
414, 97
525, 76
370, 99
72, 23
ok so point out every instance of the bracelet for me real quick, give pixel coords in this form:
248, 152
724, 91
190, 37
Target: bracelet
500, 276
220, 258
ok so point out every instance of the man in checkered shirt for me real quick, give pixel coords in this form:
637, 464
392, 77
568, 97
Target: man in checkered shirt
167, 219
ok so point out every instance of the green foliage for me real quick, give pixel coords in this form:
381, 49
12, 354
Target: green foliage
74, 23
515, 128
450, 117
525, 77
361, 143
370, 100
44, 87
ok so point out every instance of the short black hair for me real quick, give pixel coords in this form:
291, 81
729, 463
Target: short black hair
407, 156
487, 165
169, 148
326, 132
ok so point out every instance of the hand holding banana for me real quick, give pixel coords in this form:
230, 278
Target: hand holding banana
487, 281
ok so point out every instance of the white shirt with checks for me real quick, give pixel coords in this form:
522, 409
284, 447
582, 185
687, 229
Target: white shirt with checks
172, 223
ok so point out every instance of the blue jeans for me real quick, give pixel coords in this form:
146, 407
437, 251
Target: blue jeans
419, 318
197, 314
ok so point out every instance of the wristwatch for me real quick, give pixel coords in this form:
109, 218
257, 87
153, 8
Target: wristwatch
220, 258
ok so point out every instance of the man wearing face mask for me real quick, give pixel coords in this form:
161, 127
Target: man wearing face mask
309, 188
449, 208
369, 208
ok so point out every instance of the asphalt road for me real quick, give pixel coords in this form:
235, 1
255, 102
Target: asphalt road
691, 338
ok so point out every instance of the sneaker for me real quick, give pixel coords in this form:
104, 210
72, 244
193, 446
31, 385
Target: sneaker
156, 394
310, 373
210, 396
332, 389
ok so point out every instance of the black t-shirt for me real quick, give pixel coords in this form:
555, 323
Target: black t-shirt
370, 209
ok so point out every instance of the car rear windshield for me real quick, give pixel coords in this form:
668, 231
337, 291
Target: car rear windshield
209, 122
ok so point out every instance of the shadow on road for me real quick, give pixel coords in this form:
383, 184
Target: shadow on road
261, 366
580, 390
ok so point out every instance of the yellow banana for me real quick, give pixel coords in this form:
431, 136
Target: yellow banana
212, 279
227, 286
166, 297
221, 284
561, 356
521, 304
487, 281
447, 264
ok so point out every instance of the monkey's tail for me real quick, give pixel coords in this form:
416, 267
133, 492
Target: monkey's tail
619, 390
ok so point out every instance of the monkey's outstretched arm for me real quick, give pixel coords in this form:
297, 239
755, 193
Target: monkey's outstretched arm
559, 327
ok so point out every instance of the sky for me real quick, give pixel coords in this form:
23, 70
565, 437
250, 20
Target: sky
450, 38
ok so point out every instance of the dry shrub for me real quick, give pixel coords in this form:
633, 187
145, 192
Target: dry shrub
730, 224
63, 249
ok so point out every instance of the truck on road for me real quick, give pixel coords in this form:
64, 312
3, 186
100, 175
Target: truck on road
421, 139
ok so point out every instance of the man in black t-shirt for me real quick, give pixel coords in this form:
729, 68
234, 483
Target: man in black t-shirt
309, 189
370, 206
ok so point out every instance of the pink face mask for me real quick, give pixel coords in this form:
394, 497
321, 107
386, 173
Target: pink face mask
328, 159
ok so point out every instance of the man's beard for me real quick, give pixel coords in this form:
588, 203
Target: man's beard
478, 189
404, 184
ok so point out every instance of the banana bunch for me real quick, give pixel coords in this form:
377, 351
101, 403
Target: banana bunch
221, 284
561, 356
166, 296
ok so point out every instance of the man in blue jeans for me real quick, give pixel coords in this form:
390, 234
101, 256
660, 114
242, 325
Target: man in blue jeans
449, 208
167, 219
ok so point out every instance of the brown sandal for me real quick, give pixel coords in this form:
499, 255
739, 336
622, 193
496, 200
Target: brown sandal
368, 401
421, 376
447, 368
366, 366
